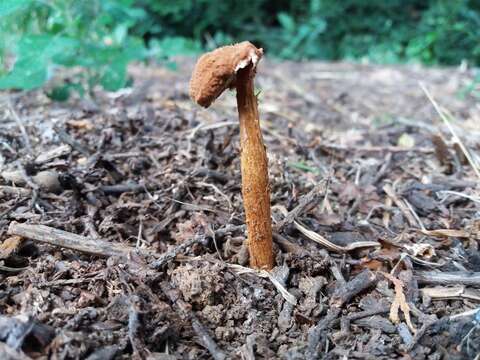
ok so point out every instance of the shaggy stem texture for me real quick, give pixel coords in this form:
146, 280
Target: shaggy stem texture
254, 166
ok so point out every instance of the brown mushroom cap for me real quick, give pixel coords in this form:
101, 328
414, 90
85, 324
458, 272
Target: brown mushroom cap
216, 71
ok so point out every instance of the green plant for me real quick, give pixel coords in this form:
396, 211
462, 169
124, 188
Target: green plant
43, 36
428, 31
98, 38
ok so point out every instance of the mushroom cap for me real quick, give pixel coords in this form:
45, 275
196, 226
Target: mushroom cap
216, 71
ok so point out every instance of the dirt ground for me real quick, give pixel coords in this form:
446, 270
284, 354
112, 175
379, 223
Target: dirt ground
376, 214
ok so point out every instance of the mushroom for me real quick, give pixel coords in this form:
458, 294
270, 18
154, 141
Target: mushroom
234, 66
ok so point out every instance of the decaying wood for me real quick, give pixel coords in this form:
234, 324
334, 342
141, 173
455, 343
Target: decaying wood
54, 153
91, 246
134, 327
448, 278
13, 190
315, 333
325, 242
288, 246
207, 340
360, 283
122, 188
454, 292
68, 240
67, 139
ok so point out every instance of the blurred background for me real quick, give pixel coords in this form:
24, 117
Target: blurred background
99, 38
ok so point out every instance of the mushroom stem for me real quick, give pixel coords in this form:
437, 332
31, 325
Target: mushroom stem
254, 166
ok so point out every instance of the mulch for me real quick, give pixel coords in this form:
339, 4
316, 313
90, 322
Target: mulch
122, 230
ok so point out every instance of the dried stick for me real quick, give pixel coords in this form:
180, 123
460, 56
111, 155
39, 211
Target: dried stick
361, 282
341, 296
68, 240
184, 311
207, 340
448, 278
306, 201
170, 255
24, 132
13, 190
404, 209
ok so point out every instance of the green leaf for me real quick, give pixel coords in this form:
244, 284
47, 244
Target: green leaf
8, 7
45, 46
114, 76
27, 74
304, 167
287, 22
35, 55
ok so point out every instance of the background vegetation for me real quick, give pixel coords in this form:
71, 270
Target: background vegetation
38, 37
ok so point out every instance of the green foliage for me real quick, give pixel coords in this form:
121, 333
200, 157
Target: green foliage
42, 36
428, 31
100, 37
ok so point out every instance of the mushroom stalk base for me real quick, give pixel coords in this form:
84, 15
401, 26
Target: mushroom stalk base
254, 166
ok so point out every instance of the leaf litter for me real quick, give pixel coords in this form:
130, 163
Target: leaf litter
369, 186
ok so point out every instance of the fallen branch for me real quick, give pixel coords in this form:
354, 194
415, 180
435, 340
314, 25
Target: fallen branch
448, 278
343, 294
123, 188
71, 241
13, 190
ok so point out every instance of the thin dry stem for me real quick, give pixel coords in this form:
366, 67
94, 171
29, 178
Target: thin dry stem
445, 119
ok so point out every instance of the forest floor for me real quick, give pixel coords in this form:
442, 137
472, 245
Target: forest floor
379, 258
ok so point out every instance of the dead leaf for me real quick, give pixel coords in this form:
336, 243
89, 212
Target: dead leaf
374, 265
399, 302
442, 152
388, 252
187, 230
421, 250
9, 246
349, 193
82, 124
